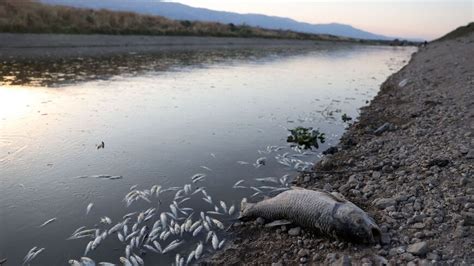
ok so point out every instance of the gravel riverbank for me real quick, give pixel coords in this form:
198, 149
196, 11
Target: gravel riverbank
408, 162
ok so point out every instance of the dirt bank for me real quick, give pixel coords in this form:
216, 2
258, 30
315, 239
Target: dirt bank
408, 161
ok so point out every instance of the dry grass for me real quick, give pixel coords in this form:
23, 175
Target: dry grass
459, 32
28, 16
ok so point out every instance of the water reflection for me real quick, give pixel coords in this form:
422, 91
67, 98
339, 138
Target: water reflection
161, 128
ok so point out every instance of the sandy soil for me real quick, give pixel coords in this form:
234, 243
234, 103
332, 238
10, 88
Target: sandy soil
408, 161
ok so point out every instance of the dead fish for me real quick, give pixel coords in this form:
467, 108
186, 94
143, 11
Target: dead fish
89, 207
197, 230
74, 263
223, 205
320, 210
206, 168
171, 246
215, 242
267, 179
231, 210
198, 251
260, 161
85, 261
198, 177
238, 183
242, 162
213, 155
48, 222
221, 244
105, 220
190, 257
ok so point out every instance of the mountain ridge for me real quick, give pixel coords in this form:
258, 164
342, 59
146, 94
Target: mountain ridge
180, 11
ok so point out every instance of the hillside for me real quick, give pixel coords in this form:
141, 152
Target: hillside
179, 11
32, 17
459, 32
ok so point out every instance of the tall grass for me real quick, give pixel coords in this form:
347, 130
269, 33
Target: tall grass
28, 16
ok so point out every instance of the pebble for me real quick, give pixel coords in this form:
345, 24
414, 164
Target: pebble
303, 252
470, 154
383, 203
294, 231
420, 248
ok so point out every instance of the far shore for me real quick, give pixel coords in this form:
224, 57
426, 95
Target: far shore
15, 46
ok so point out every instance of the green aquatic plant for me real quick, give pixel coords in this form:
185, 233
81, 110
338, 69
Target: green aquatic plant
306, 137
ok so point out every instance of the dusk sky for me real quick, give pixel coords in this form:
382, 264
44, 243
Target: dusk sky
427, 19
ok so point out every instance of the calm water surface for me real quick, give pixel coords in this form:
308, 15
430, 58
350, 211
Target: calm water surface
161, 127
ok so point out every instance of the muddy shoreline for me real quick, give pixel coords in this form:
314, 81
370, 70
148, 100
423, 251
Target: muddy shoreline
54, 46
407, 161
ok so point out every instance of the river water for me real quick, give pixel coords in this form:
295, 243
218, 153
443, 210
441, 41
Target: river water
162, 121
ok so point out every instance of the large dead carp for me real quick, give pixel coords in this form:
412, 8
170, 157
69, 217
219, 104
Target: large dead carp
328, 213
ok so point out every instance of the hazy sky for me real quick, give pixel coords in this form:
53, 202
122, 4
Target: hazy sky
406, 18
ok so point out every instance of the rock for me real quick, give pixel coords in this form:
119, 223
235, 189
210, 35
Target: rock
461, 231
294, 231
385, 239
376, 174
382, 129
383, 203
277, 264
330, 150
438, 162
331, 258
343, 261
303, 252
468, 218
303, 260
326, 163
470, 154
419, 249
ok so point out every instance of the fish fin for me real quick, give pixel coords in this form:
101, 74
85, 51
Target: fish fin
244, 207
337, 196
278, 223
297, 188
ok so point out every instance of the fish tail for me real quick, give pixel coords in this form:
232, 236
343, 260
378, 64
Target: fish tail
244, 208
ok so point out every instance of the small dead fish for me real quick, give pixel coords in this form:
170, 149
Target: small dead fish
221, 244
105, 220
48, 222
215, 242
238, 183
267, 179
206, 168
218, 223
190, 257
198, 251
89, 207
223, 205
171, 246
197, 230
242, 162
231, 210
